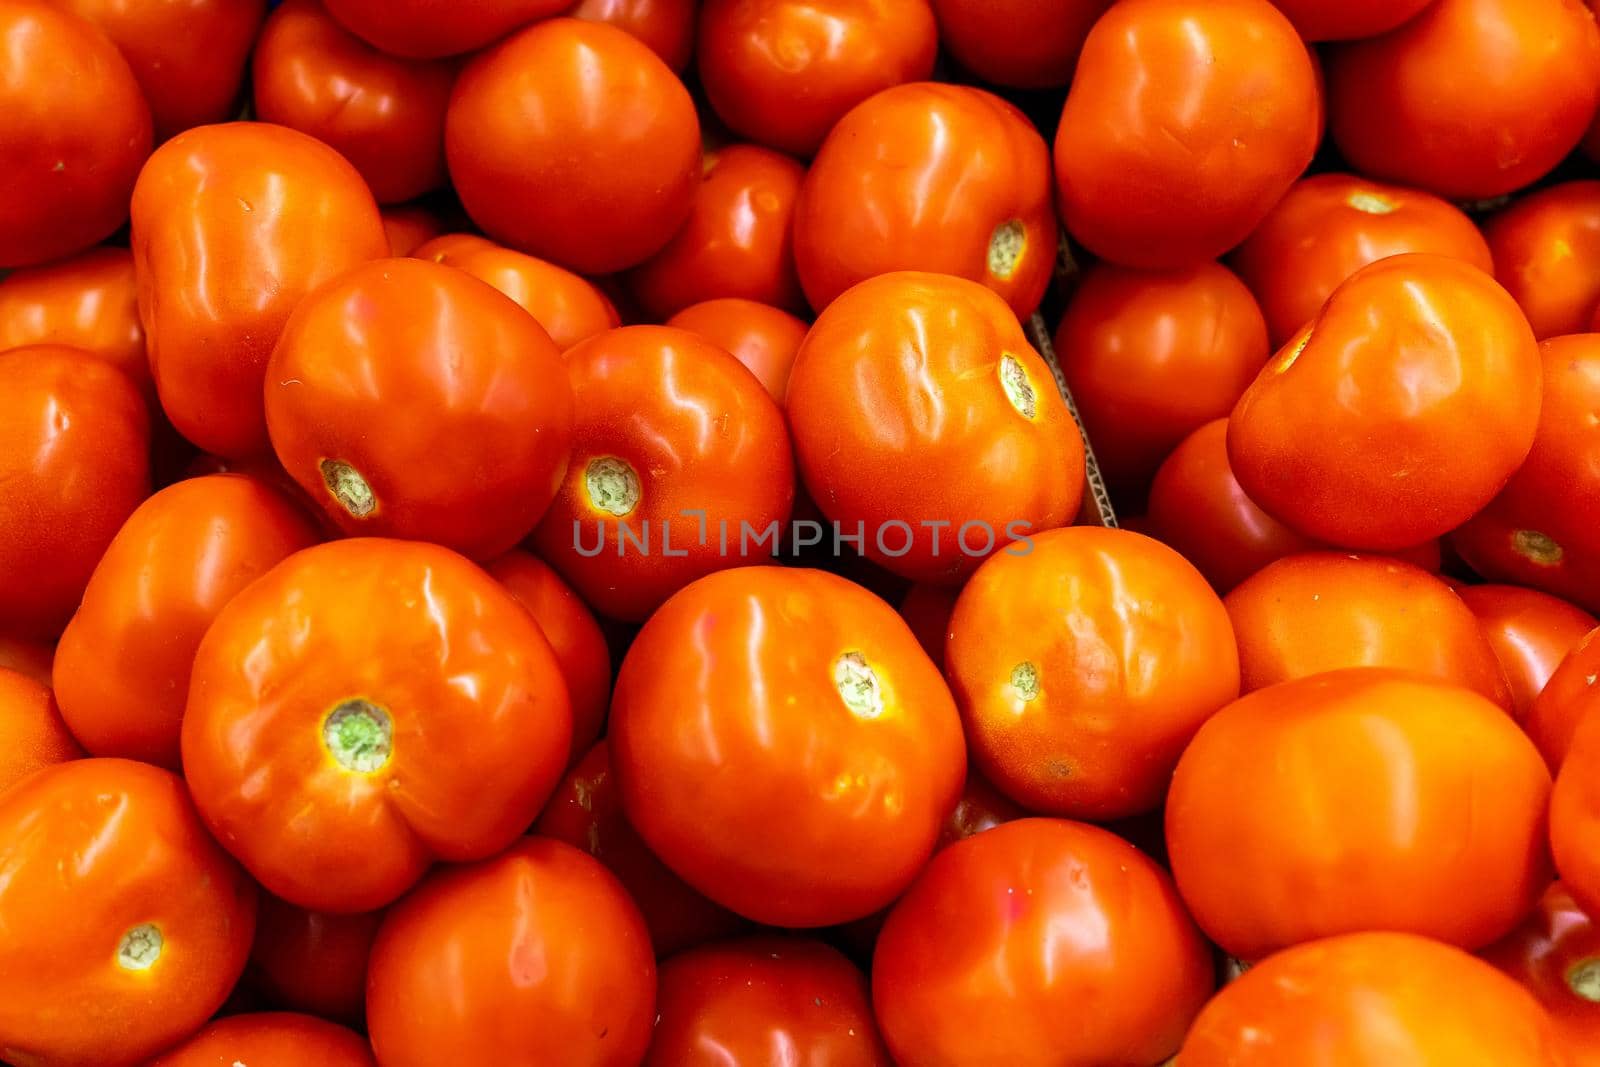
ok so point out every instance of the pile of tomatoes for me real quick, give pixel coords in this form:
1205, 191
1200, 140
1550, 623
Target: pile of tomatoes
553, 533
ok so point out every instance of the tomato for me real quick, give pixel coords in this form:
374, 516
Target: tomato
232, 226
981, 807
927, 426
74, 460
88, 302
31, 659
383, 114
927, 609
1372, 1000
312, 961
32, 734
852, 793
536, 956
1024, 44
1329, 226
409, 228
126, 926
428, 29
1575, 815
1566, 699
571, 141
1547, 252
1003, 929
570, 307
1335, 803
74, 130
1555, 955
1083, 668
1150, 358
1222, 116
765, 339
1437, 378
1471, 99
783, 72
1531, 633
449, 248
351, 717
271, 1039
666, 26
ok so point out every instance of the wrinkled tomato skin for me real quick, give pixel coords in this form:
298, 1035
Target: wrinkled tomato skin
1022, 44
446, 672
569, 306
312, 961
765, 339
1002, 929
666, 26
1531, 633
32, 734
92, 851
1348, 20
1390, 853
927, 609
1547, 253
29, 658
89, 301
271, 1039
409, 228
1555, 955
232, 226
1575, 815
428, 29
1567, 699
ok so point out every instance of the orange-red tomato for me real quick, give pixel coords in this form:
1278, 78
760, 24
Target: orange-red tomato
927, 608
928, 427
1372, 1000
535, 957
941, 178
409, 228
1555, 955
1471, 99
1025, 44
573, 142
977, 960
29, 658
428, 29
666, 26
1547, 254
570, 307
765, 339
853, 790
232, 226
89, 301
1575, 815
1346, 20
1186, 122
1334, 803
448, 248
74, 130
125, 925
312, 961
384, 114
1421, 378
1567, 699
32, 734
1531, 633
1084, 667
271, 1039
75, 462
1329, 226
353, 715
783, 72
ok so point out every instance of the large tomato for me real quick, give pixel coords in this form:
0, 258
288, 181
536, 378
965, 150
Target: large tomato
1555, 955
1421, 378
1335, 803
271, 1039
89, 302
1570, 696
428, 29
1025, 44
666, 26
1575, 816
312, 961
573, 142
32, 734
125, 925
765, 339
1343, 20
570, 307
1531, 633
1547, 254
232, 226
366, 707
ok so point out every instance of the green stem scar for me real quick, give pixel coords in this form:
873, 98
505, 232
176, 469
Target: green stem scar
1025, 680
1537, 547
1006, 246
1014, 380
1584, 980
1371, 203
348, 487
612, 485
858, 685
140, 948
359, 735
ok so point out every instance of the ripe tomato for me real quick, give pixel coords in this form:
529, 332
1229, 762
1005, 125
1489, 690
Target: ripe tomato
981, 807
449, 248
1150, 358
783, 72
927, 609
1372, 1000
32, 734
28, 658
383, 114
312, 961
74, 130
853, 791
1001, 930
536, 956
1334, 803
1531, 633
1346, 20
409, 228
351, 717
1566, 700
232, 225
88, 302
271, 1039
376, 369
1436, 376
925, 422
1024, 44
573, 142
1084, 667
1471, 99
1329, 226
74, 461
765, 339
1547, 254
126, 926
428, 29
1223, 116
1555, 955
570, 307
666, 26
1575, 815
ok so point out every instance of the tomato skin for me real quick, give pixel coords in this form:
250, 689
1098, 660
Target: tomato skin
232, 226
1332, 804
570, 307
403, 628
927, 609
561, 969
1225, 118
1531, 633
271, 1039
1346, 20
1575, 815
384, 114
32, 734
1002, 929
1023, 44
666, 26
450, 248
1552, 955
89, 302
1546, 251
409, 228
311, 961
765, 339
687, 741
93, 850
1471, 99
429, 29
75, 462
573, 142
1329, 226
1566, 700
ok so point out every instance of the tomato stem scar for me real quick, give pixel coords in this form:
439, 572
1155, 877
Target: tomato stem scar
1006, 246
612, 485
1014, 380
858, 685
1584, 980
1025, 680
348, 487
1371, 203
1537, 547
140, 947
359, 735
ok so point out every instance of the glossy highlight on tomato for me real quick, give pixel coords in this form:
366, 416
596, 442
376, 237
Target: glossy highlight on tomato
1531, 633
570, 307
88, 301
1555, 955
32, 734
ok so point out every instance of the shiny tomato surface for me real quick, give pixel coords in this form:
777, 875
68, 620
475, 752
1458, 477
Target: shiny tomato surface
1024, 44
426, 29
1531, 633
32, 734
89, 301
1555, 955
765, 339
569, 306
666, 26
1575, 816
271, 1039
1547, 254
312, 961
1567, 699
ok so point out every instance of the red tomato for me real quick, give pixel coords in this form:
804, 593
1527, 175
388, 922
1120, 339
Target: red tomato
1329, 226
1555, 955
126, 926
571, 141
1187, 121
1024, 44
232, 225
928, 427
783, 72
1531, 633
666, 26
1575, 815
312, 961
570, 307
32, 734
89, 301
1345, 20
927, 609
1002, 930
31, 659
1471, 99
449, 248
383, 114
1566, 700
74, 130
428, 29
270, 1039
765, 339
409, 228
1547, 254
535, 957
1335, 803
351, 717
